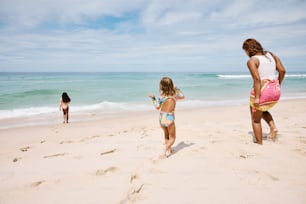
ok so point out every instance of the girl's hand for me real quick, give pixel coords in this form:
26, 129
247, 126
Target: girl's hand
151, 95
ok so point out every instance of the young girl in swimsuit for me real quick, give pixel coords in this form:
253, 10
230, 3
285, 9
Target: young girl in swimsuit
166, 104
64, 105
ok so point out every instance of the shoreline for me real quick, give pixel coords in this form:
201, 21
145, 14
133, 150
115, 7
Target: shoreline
76, 117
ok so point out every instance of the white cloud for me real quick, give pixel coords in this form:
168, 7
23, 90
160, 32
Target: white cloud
35, 12
44, 35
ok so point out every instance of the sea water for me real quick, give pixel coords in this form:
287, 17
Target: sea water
33, 94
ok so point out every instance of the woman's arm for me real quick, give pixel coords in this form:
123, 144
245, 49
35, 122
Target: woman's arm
253, 64
280, 68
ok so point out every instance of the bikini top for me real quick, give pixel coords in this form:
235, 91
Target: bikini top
158, 103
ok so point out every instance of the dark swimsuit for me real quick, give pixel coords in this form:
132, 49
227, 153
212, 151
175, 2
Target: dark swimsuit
65, 111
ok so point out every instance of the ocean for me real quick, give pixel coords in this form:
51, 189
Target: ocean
38, 94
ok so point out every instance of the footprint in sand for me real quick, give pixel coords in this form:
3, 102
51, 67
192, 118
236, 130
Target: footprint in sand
55, 130
199, 149
134, 192
301, 151
89, 138
144, 133
133, 177
132, 195
25, 149
108, 152
16, 159
68, 142
303, 141
259, 173
245, 156
101, 172
143, 147
54, 155
37, 183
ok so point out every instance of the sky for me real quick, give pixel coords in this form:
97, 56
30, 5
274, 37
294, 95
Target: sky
147, 35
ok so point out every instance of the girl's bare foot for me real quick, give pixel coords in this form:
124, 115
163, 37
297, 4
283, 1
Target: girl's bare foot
168, 153
165, 154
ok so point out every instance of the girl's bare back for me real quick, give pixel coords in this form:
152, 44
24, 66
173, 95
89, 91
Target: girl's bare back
169, 105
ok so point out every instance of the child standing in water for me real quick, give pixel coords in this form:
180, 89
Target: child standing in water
64, 105
166, 104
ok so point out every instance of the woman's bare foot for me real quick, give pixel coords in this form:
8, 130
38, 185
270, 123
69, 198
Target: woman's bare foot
273, 134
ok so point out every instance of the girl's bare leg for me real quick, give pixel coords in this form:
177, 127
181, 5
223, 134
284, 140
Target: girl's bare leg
172, 137
256, 125
65, 115
166, 137
166, 134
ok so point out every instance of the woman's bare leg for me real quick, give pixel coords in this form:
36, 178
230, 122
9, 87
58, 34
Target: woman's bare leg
67, 117
256, 125
269, 119
64, 117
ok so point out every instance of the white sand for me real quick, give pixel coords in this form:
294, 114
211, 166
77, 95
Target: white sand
117, 160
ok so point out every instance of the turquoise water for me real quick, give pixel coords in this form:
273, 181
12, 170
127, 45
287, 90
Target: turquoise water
25, 94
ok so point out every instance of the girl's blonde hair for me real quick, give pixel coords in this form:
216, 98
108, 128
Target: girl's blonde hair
166, 87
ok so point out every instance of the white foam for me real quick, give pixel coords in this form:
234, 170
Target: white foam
107, 107
241, 76
114, 107
25, 112
234, 76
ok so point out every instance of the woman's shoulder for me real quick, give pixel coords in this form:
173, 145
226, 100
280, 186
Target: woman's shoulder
271, 54
254, 59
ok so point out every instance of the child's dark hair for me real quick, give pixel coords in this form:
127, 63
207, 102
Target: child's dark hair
65, 97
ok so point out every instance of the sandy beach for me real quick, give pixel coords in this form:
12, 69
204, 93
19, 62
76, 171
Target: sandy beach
116, 160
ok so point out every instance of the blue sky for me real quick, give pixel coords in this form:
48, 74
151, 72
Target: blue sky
148, 35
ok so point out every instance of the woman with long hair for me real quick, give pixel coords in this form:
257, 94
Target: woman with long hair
265, 93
